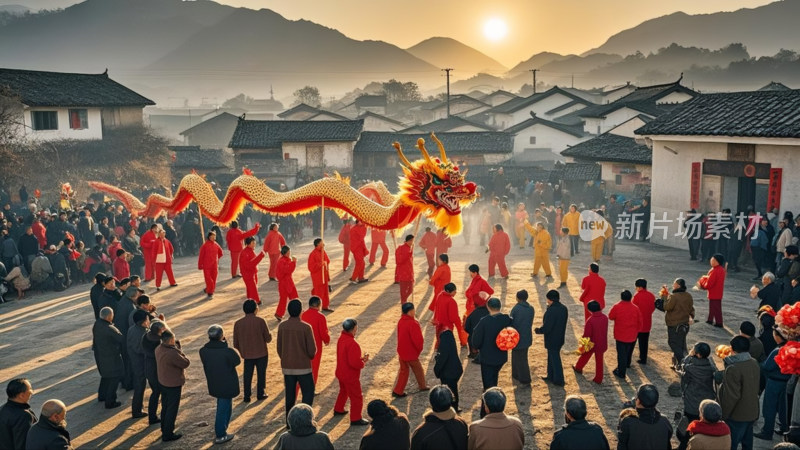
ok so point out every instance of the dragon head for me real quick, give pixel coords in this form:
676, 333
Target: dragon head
435, 187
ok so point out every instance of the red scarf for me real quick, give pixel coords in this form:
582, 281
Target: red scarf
711, 429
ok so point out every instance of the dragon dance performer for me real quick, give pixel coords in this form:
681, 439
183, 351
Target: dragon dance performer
208, 262
344, 239
286, 288
147, 243
273, 244
378, 241
404, 272
318, 264
428, 243
248, 263
234, 238
359, 248
440, 278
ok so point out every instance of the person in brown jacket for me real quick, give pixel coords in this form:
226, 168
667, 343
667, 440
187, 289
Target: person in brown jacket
171, 363
679, 315
496, 429
250, 337
296, 348
738, 394
710, 432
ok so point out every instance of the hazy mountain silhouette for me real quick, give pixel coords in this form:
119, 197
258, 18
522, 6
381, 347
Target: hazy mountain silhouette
448, 52
763, 30
535, 61
14, 9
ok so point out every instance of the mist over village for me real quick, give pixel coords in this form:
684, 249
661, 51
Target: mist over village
340, 195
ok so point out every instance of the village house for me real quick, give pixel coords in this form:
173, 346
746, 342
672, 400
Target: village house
279, 149
56, 105
215, 132
725, 151
549, 105
216, 163
452, 124
497, 97
541, 141
299, 112
377, 122
365, 104
460, 104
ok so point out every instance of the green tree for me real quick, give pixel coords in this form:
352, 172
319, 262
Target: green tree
397, 91
308, 95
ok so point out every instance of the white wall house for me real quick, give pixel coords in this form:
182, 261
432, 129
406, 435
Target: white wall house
550, 105
55, 105
538, 139
377, 122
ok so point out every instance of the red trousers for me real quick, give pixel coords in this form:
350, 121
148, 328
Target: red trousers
350, 390
598, 364
210, 276
346, 258
149, 265
431, 263
251, 284
715, 311
273, 264
285, 293
500, 261
358, 271
235, 263
402, 375
406, 289
373, 252
164, 267
321, 291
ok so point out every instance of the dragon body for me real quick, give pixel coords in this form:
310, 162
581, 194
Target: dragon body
431, 187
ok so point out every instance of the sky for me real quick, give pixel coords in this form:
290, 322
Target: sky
561, 26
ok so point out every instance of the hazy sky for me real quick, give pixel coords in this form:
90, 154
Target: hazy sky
562, 26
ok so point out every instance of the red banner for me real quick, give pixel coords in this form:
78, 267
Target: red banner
697, 178
774, 193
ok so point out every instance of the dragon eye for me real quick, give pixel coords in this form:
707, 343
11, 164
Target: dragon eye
437, 181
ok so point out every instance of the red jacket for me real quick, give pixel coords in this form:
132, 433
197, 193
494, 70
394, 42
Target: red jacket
147, 242
344, 234
409, 338
646, 302
477, 286
162, 246
500, 244
378, 235
248, 261
210, 253
627, 321
440, 277
348, 358
594, 288
596, 329
274, 242
445, 316
121, 269
715, 283
319, 325
428, 242
112, 250
285, 269
443, 243
357, 235
315, 260
235, 238
41, 233
404, 259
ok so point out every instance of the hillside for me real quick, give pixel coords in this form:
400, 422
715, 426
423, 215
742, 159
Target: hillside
763, 30
447, 52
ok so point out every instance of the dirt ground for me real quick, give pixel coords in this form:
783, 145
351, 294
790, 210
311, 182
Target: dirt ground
47, 338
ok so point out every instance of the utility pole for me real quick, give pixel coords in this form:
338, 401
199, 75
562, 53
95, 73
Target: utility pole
533, 71
447, 72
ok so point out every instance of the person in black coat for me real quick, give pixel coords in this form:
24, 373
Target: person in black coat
484, 338
219, 364
578, 433
111, 294
150, 341
554, 326
469, 327
389, 429
122, 310
96, 292
448, 366
28, 247
16, 417
107, 342
141, 321
770, 294
50, 431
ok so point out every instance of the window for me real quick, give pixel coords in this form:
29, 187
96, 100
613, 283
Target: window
78, 119
617, 179
44, 120
533, 140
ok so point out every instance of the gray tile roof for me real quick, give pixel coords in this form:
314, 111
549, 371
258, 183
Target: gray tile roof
643, 99
515, 104
370, 100
610, 147
741, 114
69, 89
216, 120
575, 172
272, 133
454, 143
193, 157
298, 108
366, 114
576, 131
447, 124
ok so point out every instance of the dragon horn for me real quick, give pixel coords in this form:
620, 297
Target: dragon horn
421, 147
403, 158
441, 147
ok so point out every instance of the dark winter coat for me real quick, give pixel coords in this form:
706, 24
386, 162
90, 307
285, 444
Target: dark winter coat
448, 363
697, 383
303, 439
645, 430
474, 317
15, 421
738, 394
395, 435
522, 315
107, 342
580, 435
28, 245
440, 431
149, 343
554, 325
122, 310
46, 435
134, 347
484, 338
219, 364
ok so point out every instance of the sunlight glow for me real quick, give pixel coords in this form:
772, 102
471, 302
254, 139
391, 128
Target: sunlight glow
495, 29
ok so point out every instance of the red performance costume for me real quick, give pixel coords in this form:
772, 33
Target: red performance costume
272, 247
162, 256
378, 241
358, 246
248, 263
404, 273
318, 263
440, 277
428, 243
499, 246
445, 317
443, 243
348, 373
344, 239
147, 243
596, 329
208, 262
594, 288
286, 288
319, 325
409, 347
235, 238
714, 283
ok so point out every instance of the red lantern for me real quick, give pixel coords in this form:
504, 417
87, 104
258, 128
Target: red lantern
507, 339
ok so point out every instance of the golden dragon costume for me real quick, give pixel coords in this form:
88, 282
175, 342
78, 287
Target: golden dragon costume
431, 187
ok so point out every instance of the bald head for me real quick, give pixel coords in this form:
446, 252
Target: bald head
54, 410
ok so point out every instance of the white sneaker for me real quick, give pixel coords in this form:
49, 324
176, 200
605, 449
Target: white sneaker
223, 439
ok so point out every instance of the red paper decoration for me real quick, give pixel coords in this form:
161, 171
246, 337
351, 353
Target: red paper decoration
788, 358
507, 339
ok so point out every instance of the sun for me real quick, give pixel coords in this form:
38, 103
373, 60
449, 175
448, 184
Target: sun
495, 29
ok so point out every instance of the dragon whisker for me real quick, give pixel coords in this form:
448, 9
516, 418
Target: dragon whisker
421, 147
441, 148
403, 158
